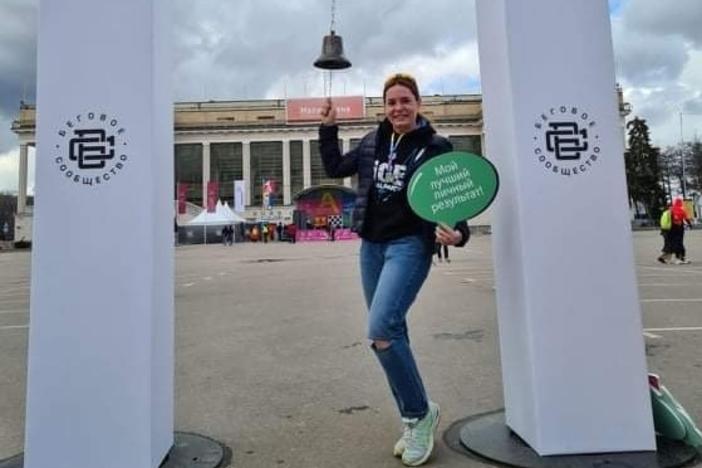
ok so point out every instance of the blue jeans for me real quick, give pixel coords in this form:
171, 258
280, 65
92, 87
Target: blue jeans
392, 273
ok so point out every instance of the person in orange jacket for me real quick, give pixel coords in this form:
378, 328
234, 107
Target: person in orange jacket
679, 218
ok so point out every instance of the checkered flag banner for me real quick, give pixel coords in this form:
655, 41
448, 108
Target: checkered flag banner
335, 220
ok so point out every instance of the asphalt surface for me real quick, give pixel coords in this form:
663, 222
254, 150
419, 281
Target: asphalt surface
271, 358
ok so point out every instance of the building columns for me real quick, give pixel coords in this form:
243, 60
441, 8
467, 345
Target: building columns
246, 162
23, 175
205, 171
287, 196
306, 164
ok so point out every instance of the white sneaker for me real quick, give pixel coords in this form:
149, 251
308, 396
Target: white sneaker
400, 445
419, 442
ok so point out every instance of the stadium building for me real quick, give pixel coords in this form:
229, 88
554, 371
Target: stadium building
271, 145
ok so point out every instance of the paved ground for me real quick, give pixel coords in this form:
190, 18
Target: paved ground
271, 359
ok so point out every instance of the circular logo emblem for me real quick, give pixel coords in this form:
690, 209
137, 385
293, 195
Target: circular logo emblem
91, 149
566, 141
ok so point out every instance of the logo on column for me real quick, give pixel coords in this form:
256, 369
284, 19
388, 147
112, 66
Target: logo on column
91, 149
566, 141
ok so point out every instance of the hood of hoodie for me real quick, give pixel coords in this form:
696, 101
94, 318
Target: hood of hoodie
422, 133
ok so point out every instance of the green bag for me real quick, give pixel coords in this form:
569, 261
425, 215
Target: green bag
666, 221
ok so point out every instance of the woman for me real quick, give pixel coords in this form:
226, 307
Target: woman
396, 247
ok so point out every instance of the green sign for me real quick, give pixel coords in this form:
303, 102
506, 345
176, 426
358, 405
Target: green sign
453, 187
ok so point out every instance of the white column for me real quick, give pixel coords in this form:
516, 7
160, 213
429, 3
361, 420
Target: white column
287, 196
246, 161
205, 171
22, 185
345, 148
306, 164
573, 362
100, 364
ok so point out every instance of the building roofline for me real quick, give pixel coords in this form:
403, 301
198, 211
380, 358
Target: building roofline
280, 102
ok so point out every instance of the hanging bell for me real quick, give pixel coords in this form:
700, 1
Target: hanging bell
332, 57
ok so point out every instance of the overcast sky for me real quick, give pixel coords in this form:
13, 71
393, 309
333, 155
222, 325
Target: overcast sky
251, 49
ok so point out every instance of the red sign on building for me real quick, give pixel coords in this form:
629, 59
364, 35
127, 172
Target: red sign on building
182, 194
308, 109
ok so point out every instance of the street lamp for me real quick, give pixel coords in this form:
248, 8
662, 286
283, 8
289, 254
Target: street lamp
682, 151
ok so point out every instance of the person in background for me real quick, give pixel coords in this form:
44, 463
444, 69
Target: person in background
292, 232
230, 235
678, 219
438, 248
175, 230
665, 224
225, 229
397, 246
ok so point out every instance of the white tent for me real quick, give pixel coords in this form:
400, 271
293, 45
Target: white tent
231, 214
222, 215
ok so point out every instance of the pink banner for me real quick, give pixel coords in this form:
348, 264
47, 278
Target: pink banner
269, 186
305, 110
182, 196
268, 192
322, 235
212, 196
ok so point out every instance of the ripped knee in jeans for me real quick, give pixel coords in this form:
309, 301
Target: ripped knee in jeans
381, 345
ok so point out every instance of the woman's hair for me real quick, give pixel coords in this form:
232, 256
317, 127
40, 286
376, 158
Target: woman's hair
402, 79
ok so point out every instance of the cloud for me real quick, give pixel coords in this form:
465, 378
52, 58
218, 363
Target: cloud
17, 52
658, 54
681, 20
644, 59
250, 49
254, 49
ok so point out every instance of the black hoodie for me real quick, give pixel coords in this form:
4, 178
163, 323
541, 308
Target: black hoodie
382, 212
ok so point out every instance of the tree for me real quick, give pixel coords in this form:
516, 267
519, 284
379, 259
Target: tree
671, 162
668, 162
643, 174
694, 173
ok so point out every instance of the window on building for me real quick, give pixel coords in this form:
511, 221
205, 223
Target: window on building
226, 166
318, 176
297, 177
188, 170
468, 143
266, 164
